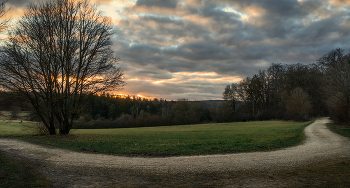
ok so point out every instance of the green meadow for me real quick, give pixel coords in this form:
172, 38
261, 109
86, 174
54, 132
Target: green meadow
343, 130
199, 139
18, 173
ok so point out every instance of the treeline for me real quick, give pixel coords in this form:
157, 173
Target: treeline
293, 92
108, 112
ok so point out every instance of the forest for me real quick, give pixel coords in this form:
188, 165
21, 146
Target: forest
290, 92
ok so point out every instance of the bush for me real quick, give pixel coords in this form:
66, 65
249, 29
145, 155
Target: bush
339, 108
298, 106
36, 128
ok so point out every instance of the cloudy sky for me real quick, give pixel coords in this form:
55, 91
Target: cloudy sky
192, 49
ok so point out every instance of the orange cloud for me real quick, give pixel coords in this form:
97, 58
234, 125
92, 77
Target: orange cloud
254, 11
339, 2
14, 13
188, 39
183, 77
198, 19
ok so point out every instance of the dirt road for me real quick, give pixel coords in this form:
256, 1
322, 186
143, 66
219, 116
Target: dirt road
320, 144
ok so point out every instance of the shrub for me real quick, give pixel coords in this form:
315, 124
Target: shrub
339, 108
36, 128
298, 106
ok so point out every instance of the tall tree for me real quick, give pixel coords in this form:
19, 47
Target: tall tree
58, 54
231, 94
337, 77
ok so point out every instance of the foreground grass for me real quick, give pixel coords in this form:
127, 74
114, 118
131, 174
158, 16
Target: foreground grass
327, 173
8, 127
180, 140
17, 173
343, 130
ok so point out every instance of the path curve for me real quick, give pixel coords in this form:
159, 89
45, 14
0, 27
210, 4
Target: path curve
320, 143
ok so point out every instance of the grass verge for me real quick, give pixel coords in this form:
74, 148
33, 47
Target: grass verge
343, 130
17, 173
325, 173
180, 140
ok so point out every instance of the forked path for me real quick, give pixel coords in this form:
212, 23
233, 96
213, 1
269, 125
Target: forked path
320, 144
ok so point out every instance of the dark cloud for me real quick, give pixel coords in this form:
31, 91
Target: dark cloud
153, 74
198, 51
21, 3
282, 9
162, 20
215, 12
157, 3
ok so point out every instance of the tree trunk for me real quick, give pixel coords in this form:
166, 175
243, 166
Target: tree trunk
52, 129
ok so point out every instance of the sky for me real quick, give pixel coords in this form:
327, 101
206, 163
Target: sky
192, 49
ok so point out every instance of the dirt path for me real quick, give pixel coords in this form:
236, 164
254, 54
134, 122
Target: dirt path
320, 144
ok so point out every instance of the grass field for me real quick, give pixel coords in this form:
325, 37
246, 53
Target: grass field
343, 130
174, 140
329, 173
10, 127
6, 115
18, 173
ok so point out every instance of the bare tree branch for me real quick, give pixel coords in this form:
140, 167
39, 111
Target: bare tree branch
59, 53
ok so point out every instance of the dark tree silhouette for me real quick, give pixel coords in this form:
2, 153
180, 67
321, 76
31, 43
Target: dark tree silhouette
57, 55
336, 66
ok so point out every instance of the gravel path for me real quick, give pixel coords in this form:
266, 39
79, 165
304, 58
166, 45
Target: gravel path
320, 144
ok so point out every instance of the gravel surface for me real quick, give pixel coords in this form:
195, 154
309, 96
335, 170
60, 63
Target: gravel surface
57, 164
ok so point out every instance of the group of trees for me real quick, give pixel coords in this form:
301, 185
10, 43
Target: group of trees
336, 68
56, 56
108, 112
295, 92
280, 91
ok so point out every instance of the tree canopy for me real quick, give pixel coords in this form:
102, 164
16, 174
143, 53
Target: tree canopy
58, 54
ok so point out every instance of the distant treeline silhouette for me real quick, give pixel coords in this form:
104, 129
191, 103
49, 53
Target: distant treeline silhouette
290, 92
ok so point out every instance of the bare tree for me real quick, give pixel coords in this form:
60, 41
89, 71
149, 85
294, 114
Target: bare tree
331, 59
231, 94
60, 53
338, 90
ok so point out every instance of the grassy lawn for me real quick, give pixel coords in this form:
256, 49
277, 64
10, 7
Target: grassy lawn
343, 130
175, 140
17, 173
327, 173
8, 127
